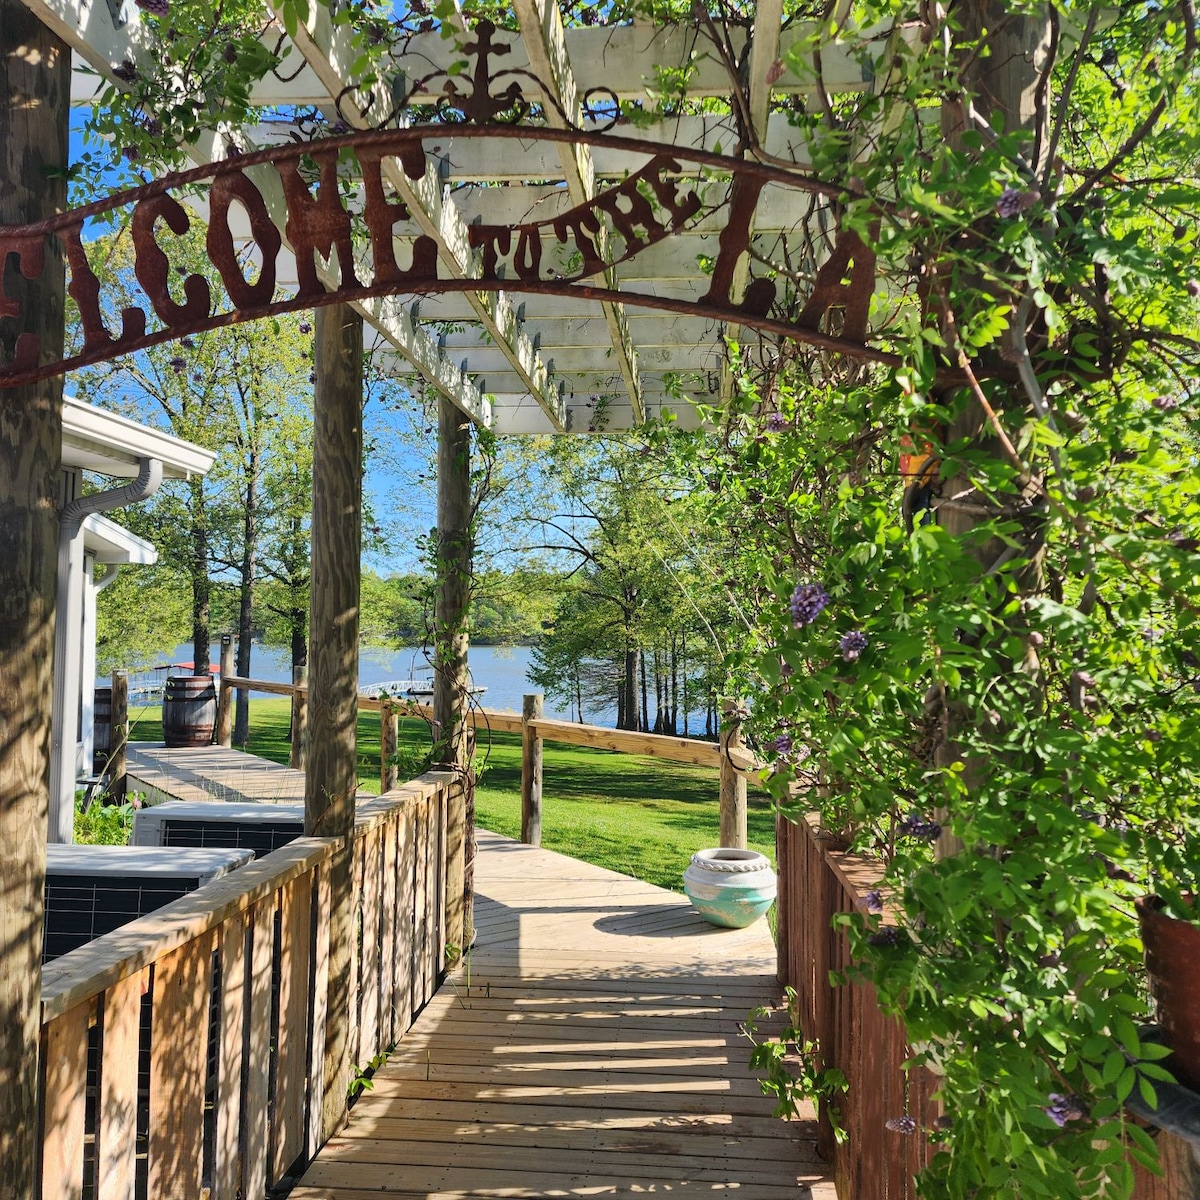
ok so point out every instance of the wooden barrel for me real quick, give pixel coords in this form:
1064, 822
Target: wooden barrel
101, 729
189, 710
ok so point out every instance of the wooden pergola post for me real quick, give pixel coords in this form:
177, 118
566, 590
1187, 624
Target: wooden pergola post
118, 738
451, 678
331, 779
225, 694
532, 707
1001, 88
733, 783
389, 741
298, 754
35, 70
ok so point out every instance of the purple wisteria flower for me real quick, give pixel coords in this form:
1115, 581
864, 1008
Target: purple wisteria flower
915, 826
776, 422
874, 901
807, 603
888, 935
156, 8
178, 365
781, 744
1014, 201
1064, 1108
126, 72
305, 327
853, 644
905, 1124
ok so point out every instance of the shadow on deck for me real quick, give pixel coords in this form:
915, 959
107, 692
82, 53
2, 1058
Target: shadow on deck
590, 1047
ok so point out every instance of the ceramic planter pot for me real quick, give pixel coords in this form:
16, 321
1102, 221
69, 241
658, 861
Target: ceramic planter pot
1173, 965
732, 888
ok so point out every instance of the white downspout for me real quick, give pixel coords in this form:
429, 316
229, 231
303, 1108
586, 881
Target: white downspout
67, 682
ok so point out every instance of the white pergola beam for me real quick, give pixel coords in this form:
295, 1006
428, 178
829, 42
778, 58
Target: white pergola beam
544, 38
480, 160
764, 53
624, 59
329, 51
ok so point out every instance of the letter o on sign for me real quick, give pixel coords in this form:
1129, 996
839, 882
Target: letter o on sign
226, 189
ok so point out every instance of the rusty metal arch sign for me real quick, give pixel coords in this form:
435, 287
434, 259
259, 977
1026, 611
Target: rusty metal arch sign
658, 200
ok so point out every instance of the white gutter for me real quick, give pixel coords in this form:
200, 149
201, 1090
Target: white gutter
69, 623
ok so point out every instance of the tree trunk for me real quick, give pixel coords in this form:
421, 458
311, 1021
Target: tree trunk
35, 71
455, 548
627, 706
331, 778
201, 585
645, 721
674, 686
660, 717
683, 672
247, 572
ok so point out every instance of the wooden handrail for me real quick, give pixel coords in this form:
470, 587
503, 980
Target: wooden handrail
730, 758
250, 952
91, 969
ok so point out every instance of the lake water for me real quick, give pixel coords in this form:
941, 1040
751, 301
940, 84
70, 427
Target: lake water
499, 669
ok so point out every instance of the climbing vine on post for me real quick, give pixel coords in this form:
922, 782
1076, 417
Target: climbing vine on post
977, 655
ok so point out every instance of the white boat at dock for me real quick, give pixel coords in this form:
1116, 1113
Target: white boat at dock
420, 690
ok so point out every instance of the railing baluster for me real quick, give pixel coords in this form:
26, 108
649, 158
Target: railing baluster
178, 1058
320, 994
116, 1105
231, 949
369, 848
291, 1068
256, 1134
389, 1026
65, 1097
406, 873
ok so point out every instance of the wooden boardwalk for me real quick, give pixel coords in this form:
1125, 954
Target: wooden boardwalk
591, 1047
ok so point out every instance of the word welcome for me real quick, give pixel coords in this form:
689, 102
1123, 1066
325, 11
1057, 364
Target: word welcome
327, 198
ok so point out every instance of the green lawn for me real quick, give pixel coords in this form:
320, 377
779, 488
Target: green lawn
641, 816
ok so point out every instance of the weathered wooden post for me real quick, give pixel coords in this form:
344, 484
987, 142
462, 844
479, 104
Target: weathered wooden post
298, 753
389, 742
733, 783
225, 694
451, 678
331, 779
532, 708
118, 739
35, 86
1002, 89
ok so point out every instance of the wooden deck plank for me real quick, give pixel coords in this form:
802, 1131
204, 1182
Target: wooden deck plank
597, 1050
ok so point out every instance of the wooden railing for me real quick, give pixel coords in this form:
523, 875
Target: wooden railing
817, 880
186, 1050
729, 757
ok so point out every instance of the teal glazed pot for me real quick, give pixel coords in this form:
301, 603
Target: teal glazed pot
731, 888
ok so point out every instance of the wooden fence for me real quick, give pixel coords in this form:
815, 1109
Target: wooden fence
817, 880
729, 758
185, 1051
